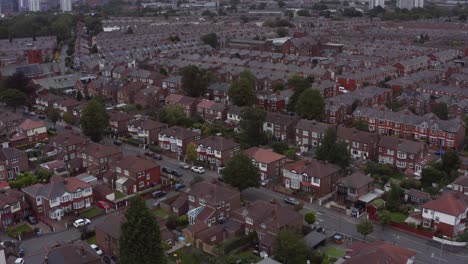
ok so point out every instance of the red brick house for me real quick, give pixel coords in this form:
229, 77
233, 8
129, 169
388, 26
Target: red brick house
317, 178
362, 145
98, 158
309, 133
188, 104
118, 122
176, 139
269, 163
151, 96
59, 196
352, 187
13, 207
280, 126
108, 234
216, 150
408, 66
12, 162
173, 84
401, 153
67, 145
218, 92
29, 132
378, 252
146, 130
126, 93
276, 101
447, 214
461, 184
133, 174
267, 220
212, 111
9, 121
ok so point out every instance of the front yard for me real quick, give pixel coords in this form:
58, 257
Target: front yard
91, 213
119, 195
398, 217
334, 252
160, 212
91, 240
185, 257
19, 230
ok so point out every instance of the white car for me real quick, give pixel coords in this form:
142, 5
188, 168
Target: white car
97, 249
81, 222
184, 165
199, 170
19, 261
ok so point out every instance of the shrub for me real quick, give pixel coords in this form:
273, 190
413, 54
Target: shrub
87, 234
183, 220
155, 149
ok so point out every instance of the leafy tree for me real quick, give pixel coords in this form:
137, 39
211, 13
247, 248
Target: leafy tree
290, 248
394, 198
360, 125
242, 92
303, 12
211, 39
195, 80
23, 180
311, 105
281, 4
385, 218
140, 240
94, 120
333, 151
310, 218
431, 175
92, 50
299, 84
440, 110
13, 98
251, 125
241, 173
191, 153
327, 143
282, 32
261, 6
175, 115
365, 228
79, 96
68, 118
171, 222
279, 147
450, 161
53, 114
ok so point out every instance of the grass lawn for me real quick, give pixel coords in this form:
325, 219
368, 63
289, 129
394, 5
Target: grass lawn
119, 195
91, 240
160, 212
398, 217
335, 252
90, 213
184, 257
21, 229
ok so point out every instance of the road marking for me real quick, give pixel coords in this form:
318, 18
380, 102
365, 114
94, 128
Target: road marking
416, 251
440, 259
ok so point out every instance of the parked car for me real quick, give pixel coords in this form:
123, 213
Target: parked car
19, 261
97, 249
68, 127
198, 170
52, 129
157, 157
265, 182
81, 222
179, 186
149, 154
42, 117
184, 165
103, 205
158, 194
117, 142
32, 220
176, 173
158, 202
291, 200
165, 169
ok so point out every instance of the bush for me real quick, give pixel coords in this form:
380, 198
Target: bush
87, 234
155, 149
310, 218
299, 206
239, 242
183, 220
171, 222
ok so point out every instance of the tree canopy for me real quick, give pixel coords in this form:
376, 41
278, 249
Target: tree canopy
195, 80
440, 110
333, 151
53, 114
174, 115
13, 98
241, 173
365, 227
251, 125
299, 84
310, 218
94, 120
242, 91
191, 153
450, 161
311, 105
210, 39
290, 248
394, 198
140, 239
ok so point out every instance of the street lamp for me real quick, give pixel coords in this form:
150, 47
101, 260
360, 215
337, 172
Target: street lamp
441, 247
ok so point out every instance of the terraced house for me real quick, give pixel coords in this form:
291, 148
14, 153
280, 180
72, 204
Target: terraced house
216, 150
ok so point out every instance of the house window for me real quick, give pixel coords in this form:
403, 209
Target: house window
228, 206
39, 209
436, 219
213, 238
202, 202
14, 160
249, 220
118, 169
148, 176
191, 198
316, 180
141, 184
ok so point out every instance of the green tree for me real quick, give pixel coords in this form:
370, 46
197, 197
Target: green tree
440, 110
450, 161
53, 115
311, 105
333, 151
365, 227
279, 147
23, 180
241, 173
303, 12
281, 4
310, 218
195, 80
394, 198
327, 143
290, 248
211, 39
282, 32
430, 175
13, 98
140, 240
299, 84
43, 175
68, 118
191, 153
251, 126
242, 93
79, 96
385, 218
175, 115
94, 120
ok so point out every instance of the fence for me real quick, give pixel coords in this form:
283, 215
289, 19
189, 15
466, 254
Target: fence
449, 242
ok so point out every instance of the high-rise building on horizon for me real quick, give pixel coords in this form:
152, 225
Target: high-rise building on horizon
66, 5
8, 6
375, 3
409, 4
34, 5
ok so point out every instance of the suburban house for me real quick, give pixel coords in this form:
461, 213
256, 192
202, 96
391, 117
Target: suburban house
145, 130
108, 234
309, 133
9, 121
212, 111
362, 145
126, 93
219, 92
29, 132
267, 220
461, 184
317, 178
13, 207
188, 104
269, 163
67, 145
46, 101
133, 174
12, 162
417, 197
234, 115
401, 153
98, 158
72, 252
378, 252
280, 126
173, 84
176, 139
118, 122
59, 196
447, 214
150, 96
352, 187
216, 150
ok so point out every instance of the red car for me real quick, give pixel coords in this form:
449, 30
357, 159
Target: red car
103, 205
68, 127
